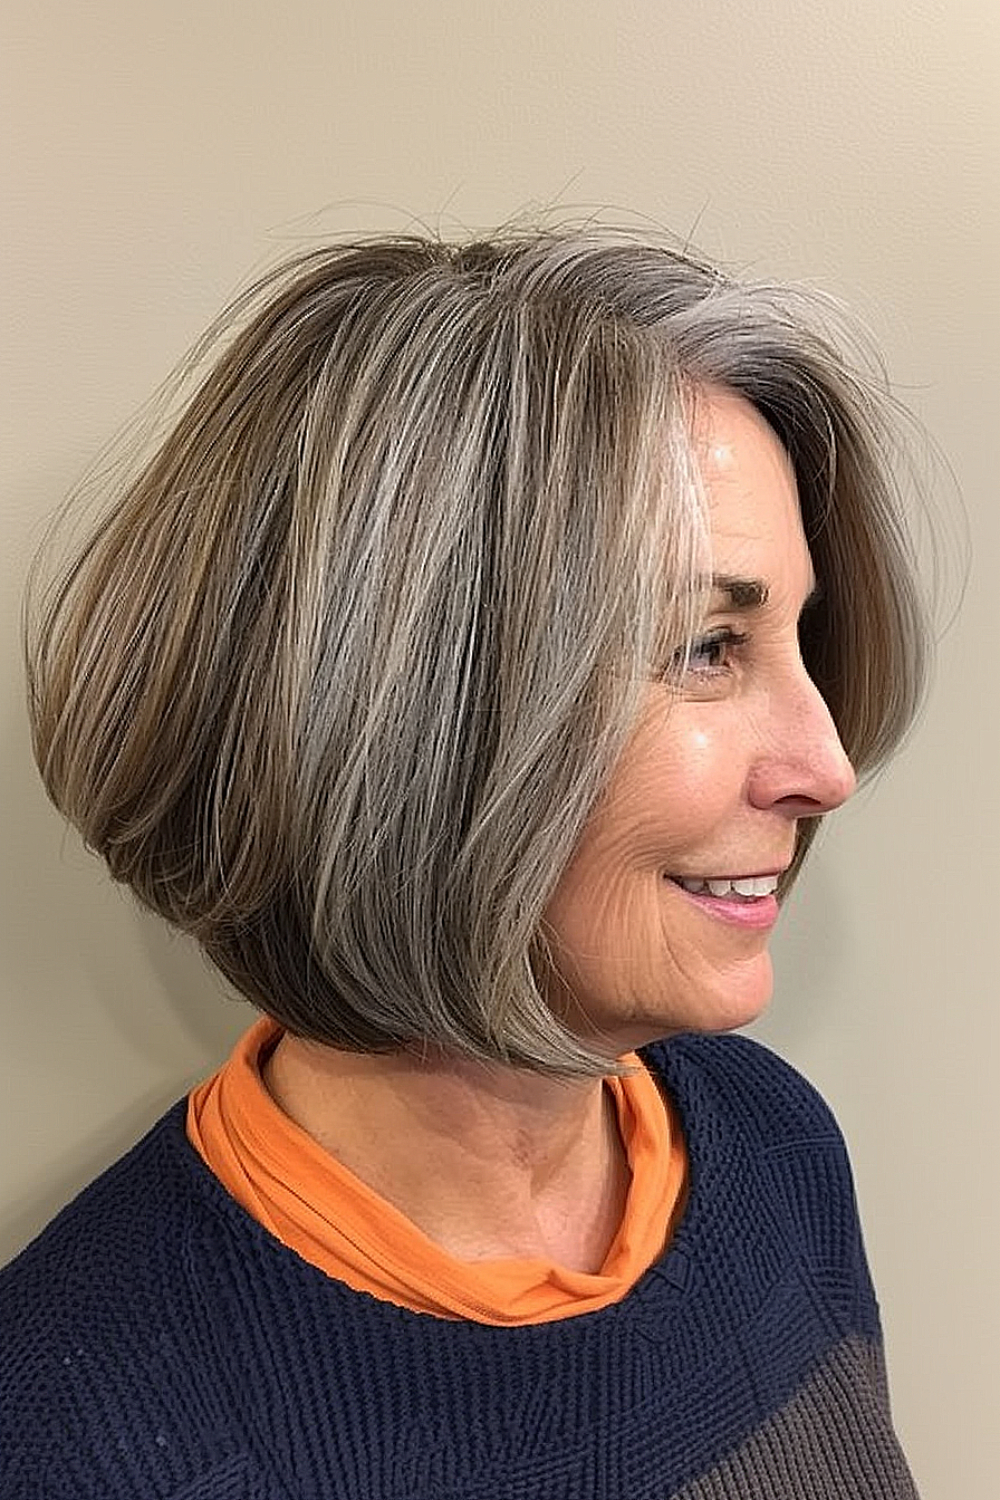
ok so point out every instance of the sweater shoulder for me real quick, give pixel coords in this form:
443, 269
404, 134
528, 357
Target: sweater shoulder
763, 1144
139, 1198
760, 1095
90, 1295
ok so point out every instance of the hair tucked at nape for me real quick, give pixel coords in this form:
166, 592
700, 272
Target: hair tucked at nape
338, 678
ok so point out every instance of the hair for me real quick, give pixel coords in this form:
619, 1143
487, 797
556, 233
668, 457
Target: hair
337, 681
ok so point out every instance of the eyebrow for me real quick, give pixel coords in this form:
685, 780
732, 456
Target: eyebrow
753, 593
744, 593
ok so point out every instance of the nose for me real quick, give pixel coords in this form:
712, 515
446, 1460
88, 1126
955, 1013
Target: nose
803, 769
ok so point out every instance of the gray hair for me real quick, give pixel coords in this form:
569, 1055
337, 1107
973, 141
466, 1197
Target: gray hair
338, 680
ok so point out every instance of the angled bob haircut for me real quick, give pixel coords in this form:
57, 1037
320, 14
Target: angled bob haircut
339, 677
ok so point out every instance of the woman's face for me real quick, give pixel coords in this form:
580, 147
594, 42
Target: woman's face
645, 927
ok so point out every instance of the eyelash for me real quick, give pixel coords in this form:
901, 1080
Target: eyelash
725, 637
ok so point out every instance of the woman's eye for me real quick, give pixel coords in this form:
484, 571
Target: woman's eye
709, 653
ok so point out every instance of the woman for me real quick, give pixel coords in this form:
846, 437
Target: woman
468, 670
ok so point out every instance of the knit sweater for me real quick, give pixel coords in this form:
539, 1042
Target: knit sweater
159, 1344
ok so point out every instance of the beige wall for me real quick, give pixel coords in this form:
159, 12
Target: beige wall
157, 153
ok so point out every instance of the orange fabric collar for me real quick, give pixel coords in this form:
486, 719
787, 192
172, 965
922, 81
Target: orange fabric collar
319, 1209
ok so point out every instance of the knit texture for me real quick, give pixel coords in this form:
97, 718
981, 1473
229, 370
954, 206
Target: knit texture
157, 1342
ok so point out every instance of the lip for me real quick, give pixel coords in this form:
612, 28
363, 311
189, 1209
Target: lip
758, 915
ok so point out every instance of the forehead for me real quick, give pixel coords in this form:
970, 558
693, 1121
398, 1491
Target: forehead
751, 493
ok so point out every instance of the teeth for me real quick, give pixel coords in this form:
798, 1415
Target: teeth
747, 885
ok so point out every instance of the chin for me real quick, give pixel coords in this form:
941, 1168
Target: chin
714, 1000
722, 1007
740, 1004
734, 1018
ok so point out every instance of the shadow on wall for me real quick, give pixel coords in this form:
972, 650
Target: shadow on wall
81, 962
808, 949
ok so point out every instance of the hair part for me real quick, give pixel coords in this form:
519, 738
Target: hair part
338, 680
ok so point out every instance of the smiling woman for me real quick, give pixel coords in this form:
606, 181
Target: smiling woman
467, 670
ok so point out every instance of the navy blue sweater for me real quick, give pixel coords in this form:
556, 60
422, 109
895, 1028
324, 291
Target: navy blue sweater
158, 1342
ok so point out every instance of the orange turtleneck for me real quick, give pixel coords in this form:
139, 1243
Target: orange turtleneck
314, 1205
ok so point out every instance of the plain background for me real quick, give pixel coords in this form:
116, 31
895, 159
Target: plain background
157, 155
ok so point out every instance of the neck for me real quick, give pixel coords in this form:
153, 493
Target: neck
489, 1162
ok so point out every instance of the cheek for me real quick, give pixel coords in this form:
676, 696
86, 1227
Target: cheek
670, 795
